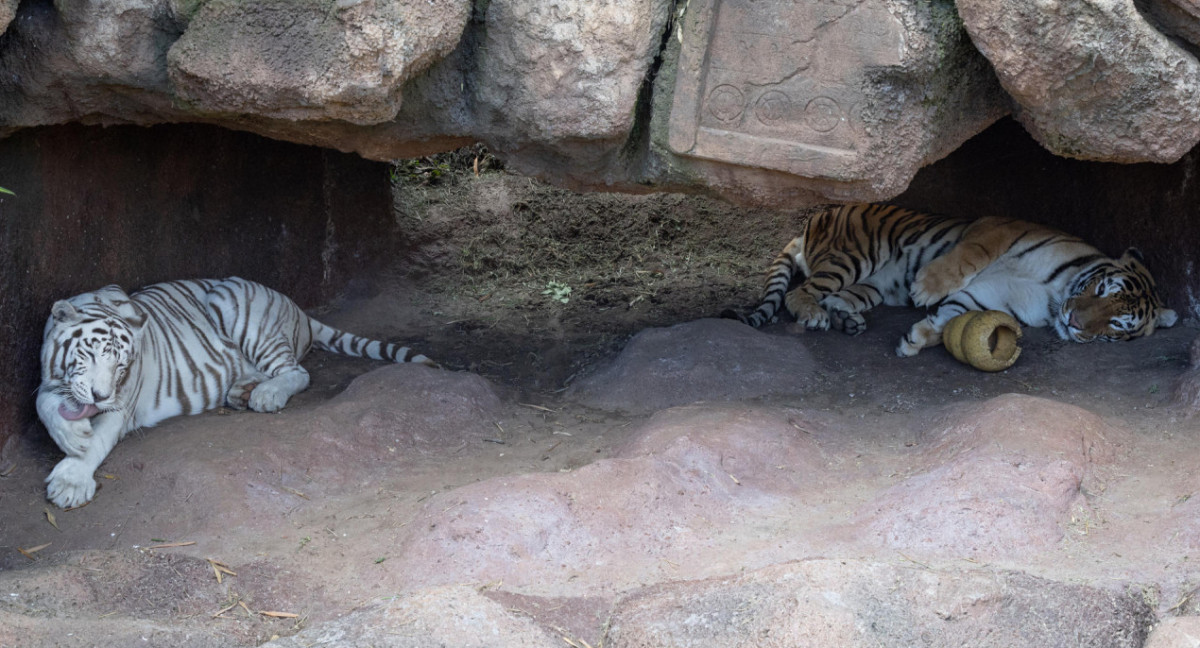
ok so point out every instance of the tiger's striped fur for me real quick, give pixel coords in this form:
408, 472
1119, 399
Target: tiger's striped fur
852, 258
113, 362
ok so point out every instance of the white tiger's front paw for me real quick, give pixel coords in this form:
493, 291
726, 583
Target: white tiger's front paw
70, 483
268, 397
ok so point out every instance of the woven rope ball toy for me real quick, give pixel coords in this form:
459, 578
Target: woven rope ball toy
986, 340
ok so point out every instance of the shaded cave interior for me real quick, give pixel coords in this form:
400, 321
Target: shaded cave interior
134, 206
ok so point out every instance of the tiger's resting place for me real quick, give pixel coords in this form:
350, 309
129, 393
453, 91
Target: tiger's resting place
600, 462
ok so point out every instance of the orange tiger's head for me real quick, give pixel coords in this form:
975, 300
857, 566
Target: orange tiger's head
1115, 300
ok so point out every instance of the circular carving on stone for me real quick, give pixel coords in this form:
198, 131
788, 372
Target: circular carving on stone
726, 102
772, 107
822, 114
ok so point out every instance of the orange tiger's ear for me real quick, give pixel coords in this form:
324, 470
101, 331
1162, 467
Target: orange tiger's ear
1133, 253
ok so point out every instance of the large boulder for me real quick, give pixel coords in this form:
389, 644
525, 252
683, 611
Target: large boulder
778, 101
1093, 80
8, 10
1179, 18
557, 83
768, 102
308, 59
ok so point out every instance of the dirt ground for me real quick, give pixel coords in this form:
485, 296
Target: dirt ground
534, 289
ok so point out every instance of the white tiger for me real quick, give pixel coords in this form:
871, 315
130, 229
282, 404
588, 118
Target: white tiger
113, 362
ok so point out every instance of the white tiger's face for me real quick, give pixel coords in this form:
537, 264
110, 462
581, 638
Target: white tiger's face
88, 351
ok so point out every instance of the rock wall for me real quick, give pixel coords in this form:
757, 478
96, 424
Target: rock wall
771, 102
134, 206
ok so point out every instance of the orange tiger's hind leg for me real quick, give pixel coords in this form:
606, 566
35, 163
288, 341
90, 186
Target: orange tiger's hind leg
846, 307
982, 243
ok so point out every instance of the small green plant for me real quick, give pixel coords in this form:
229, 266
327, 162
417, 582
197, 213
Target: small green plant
558, 291
3, 190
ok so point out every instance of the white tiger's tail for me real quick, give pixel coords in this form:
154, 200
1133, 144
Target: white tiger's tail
328, 338
784, 271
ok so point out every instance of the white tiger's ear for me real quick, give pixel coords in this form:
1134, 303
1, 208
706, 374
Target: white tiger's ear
133, 314
1166, 318
110, 294
63, 312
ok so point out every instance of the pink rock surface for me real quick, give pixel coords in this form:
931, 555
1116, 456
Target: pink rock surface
855, 603
1175, 632
1003, 480
672, 502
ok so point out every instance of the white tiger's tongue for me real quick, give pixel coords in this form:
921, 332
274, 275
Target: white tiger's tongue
84, 411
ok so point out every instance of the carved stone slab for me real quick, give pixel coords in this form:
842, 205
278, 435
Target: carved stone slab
779, 84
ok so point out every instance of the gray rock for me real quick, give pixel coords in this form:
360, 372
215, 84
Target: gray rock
310, 59
1179, 18
775, 102
706, 359
1092, 80
556, 83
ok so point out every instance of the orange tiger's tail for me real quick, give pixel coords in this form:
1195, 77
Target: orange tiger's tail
785, 271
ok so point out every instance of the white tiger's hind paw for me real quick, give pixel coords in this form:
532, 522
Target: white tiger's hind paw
70, 483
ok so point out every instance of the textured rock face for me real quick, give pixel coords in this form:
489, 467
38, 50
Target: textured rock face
1177, 632
449, 616
569, 90
306, 60
564, 76
1093, 80
8, 9
854, 98
761, 101
1179, 18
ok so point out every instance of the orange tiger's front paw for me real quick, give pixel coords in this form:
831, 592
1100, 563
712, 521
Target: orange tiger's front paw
806, 311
